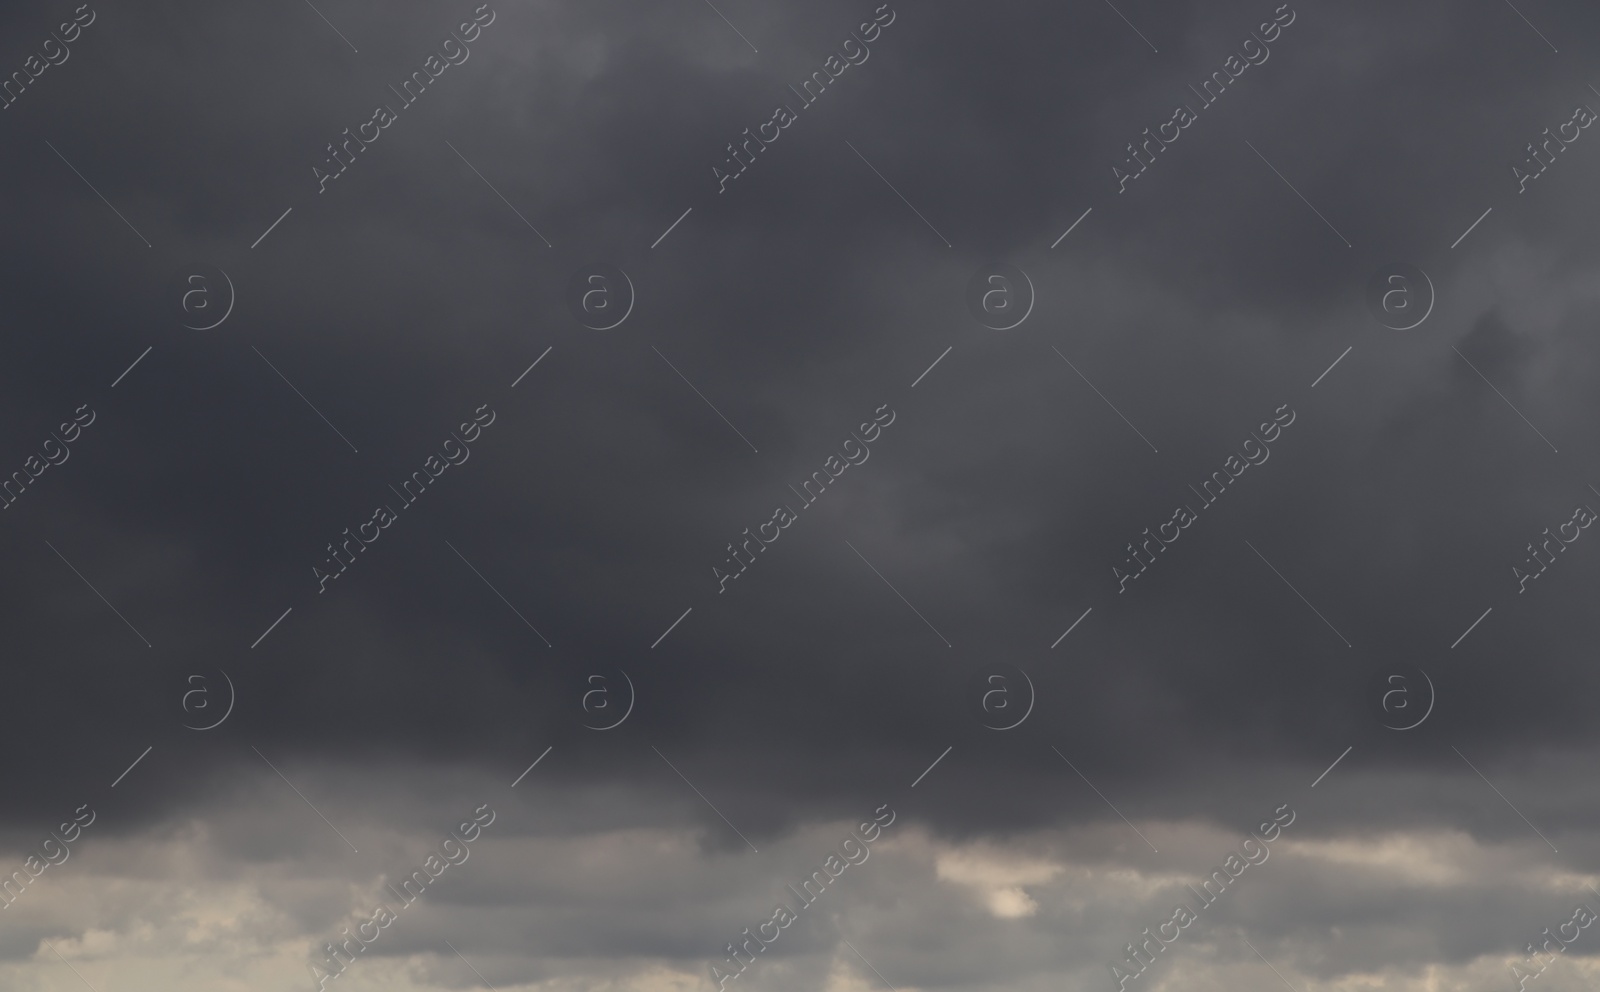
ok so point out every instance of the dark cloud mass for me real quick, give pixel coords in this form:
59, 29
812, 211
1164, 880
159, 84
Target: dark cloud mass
600, 418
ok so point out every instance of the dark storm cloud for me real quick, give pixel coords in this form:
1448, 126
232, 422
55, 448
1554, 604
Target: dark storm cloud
780, 315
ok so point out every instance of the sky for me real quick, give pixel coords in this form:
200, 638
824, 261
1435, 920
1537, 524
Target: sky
398, 402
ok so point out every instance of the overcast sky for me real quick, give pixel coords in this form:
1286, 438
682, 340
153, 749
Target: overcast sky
1014, 286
